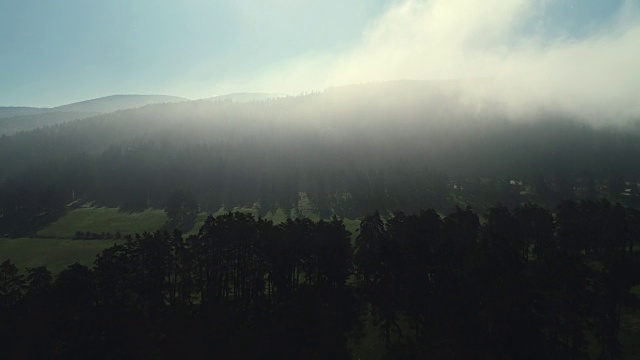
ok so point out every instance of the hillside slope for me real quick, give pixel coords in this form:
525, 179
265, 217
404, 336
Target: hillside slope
15, 119
13, 111
351, 150
118, 102
12, 125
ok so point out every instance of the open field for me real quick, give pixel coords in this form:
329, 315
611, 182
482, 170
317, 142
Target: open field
55, 254
200, 219
352, 226
98, 220
55, 248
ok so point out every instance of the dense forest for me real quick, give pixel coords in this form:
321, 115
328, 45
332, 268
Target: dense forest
393, 146
525, 284
366, 180
542, 267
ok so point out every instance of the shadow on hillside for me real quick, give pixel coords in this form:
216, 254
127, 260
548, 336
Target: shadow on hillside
183, 225
27, 222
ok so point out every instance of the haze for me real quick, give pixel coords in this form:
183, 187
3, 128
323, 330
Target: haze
338, 179
575, 56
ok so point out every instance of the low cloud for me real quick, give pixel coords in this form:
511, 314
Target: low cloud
595, 76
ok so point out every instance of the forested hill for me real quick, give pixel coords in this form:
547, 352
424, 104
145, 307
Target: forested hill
353, 149
245, 97
12, 125
11, 111
118, 102
15, 119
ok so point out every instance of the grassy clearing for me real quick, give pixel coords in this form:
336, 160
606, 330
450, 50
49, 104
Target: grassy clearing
246, 210
278, 217
200, 220
54, 248
306, 208
352, 226
55, 254
100, 220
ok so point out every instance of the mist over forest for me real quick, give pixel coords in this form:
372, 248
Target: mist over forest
351, 150
345, 179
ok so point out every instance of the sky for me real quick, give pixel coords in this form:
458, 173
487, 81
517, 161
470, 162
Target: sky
582, 55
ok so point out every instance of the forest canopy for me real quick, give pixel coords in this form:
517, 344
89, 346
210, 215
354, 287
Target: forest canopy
351, 150
525, 284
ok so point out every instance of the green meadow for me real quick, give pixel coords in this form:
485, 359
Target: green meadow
99, 220
55, 246
55, 254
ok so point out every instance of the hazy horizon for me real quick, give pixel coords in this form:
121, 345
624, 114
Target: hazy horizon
577, 56
348, 179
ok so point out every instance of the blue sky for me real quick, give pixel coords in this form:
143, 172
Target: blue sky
56, 52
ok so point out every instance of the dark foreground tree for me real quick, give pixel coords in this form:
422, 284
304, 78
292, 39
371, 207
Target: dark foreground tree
524, 284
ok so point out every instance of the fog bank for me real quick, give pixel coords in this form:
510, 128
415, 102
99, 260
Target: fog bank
502, 49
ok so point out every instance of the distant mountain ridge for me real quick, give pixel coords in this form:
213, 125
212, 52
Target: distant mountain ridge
15, 119
245, 97
12, 125
113, 103
13, 111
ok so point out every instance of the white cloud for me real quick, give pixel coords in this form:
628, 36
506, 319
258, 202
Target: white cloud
597, 76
